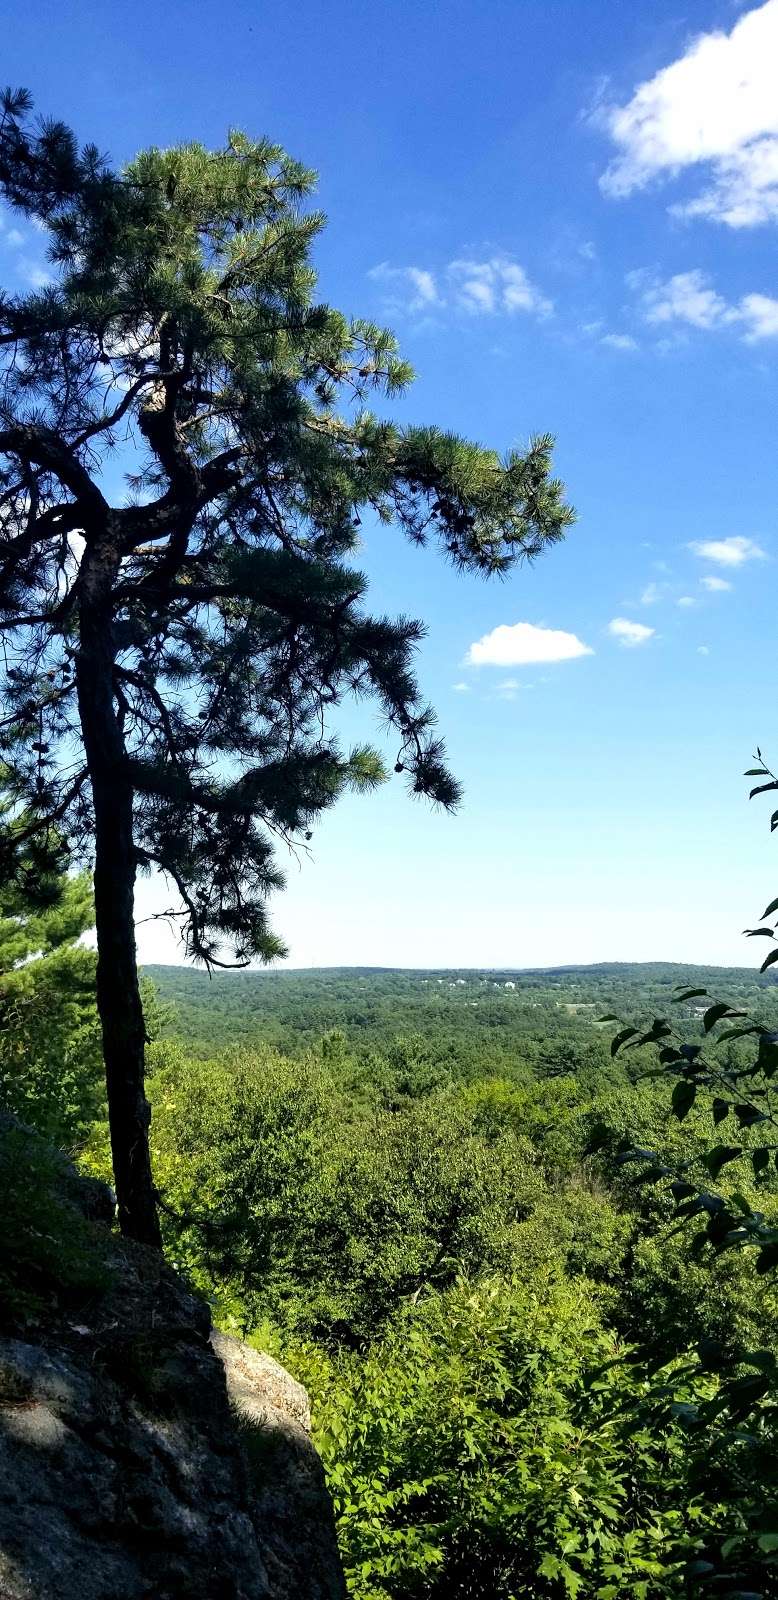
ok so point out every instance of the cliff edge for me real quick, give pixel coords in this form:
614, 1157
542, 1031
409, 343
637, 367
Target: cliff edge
142, 1456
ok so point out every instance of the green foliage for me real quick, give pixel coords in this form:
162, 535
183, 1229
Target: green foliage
438, 1230
475, 1451
50, 1056
37, 920
330, 1216
48, 1253
51, 1066
242, 1152
466, 1024
51, 1071
526, 1381
724, 1185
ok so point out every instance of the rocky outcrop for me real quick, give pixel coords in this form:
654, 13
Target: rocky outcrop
143, 1458
288, 1490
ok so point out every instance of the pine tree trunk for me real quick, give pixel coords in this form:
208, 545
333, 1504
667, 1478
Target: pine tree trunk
118, 991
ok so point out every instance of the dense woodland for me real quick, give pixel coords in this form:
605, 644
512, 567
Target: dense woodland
488, 1016
412, 1187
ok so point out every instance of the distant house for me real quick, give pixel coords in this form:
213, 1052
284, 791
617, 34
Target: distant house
509, 985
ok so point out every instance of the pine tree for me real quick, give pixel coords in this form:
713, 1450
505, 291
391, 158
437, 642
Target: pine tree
175, 643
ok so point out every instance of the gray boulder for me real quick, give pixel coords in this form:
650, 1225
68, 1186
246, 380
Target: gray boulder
142, 1458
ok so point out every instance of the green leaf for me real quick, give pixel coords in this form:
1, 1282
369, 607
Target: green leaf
681, 1191
638, 1154
715, 1013
760, 1159
549, 1567
773, 906
763, 1360
773, 957
746, 1391
658, 1030
683, 1098
718, 1157
767, 1258
621, 1038
767, 1059
762, 788
748, 1114
720, 1110
693, 994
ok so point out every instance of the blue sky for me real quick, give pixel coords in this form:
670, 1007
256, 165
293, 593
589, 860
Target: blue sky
568, 213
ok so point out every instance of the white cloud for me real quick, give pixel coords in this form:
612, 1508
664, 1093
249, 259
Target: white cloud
483, 288
686, 600
728, 552
715, 585
652, 593
414, 287
630, 633
690, 297
702, 650
516, 644
619, 341
715, 108
461, 688
759, 314
496, 284
687, 297
476, 291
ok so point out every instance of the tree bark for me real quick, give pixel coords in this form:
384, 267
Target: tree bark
118, 991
